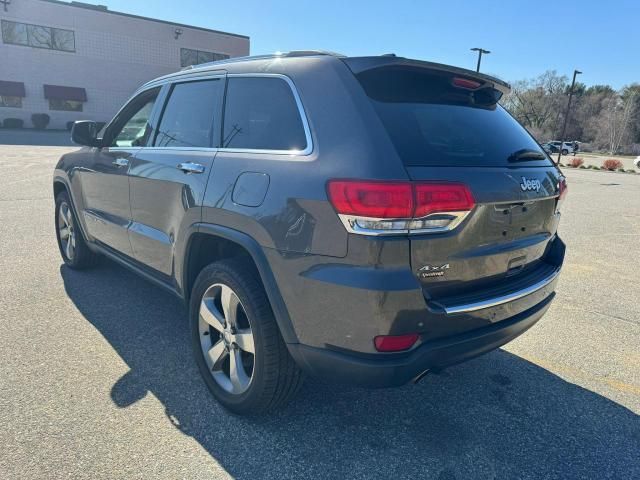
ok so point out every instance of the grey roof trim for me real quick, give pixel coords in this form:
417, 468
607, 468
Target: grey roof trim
140, 17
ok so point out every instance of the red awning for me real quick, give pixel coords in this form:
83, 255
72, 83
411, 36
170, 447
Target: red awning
12, 89
57, 92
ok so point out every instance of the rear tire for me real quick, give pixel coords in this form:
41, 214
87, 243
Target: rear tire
230, 316
565, 152
73, 248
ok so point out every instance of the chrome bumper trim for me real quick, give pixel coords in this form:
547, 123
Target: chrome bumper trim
492, 302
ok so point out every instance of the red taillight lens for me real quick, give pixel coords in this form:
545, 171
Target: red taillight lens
398, 199
371, 199
395, 343
445, 197
562, 188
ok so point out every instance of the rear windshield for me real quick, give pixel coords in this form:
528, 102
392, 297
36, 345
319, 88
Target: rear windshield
430, 122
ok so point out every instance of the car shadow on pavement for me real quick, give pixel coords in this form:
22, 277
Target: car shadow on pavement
498, 416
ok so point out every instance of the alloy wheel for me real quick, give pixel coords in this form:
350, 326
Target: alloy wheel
226, 339
66, 230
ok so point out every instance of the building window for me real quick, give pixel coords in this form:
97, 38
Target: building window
38, 36
69, 99
66, 105
195, 57
10, 101
11, 94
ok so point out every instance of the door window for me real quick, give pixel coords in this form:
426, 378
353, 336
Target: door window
190, 116
261, 113
132, 127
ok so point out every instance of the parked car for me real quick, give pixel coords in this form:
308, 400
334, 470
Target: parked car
367, 233
555, 147
636, 162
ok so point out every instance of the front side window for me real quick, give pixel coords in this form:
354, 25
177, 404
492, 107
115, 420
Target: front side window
132, 127
190, 116
65, 105
261, 114
38, 36
10, 101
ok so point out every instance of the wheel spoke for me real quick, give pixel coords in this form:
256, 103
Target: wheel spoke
216, 355
68, 217
209, 314
69, 249
64, 232
244, 339
237, 375
229, 301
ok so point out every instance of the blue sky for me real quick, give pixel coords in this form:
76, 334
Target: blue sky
601, 38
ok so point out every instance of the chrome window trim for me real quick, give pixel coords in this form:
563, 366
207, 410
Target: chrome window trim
351, 225
301, 111
510, 297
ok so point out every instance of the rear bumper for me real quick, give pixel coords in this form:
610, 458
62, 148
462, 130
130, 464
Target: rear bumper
388, 370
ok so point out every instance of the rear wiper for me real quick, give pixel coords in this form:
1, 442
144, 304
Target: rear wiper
526, 154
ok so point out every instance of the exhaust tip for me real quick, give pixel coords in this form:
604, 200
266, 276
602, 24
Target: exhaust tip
420, 376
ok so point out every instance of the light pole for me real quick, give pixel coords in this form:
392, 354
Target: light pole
566, 116
480, 52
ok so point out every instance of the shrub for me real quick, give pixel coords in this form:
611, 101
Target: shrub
582, 166
561, 164
13, 123
611, 164
70, 125
40, 120
595, 167
621, 170
589, 167
631, 170
576, 162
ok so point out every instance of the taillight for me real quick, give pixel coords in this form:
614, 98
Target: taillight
562, 192
562, 188
395, 343
465, 83
372, 199
391, 208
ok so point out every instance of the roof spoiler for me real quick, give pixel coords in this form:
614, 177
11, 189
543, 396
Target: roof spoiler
361, 64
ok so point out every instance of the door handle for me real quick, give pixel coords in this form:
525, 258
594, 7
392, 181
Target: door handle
121, 162
190, 167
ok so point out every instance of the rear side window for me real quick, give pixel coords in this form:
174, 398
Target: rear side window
261, 113
190, 115
431, 122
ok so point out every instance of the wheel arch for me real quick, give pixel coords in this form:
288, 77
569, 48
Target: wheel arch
209, 243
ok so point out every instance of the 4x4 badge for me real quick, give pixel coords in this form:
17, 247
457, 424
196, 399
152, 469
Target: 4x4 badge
433, 270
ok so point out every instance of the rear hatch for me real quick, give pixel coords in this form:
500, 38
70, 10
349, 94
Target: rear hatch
447, 126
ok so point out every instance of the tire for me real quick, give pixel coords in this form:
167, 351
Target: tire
73, 248
565, 151
266, 378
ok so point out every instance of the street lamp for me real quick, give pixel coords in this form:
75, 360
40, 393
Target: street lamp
480, 52
566, 116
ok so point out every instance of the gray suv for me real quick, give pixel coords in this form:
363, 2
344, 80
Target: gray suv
366, 220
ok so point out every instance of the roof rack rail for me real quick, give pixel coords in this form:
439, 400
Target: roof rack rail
292, 53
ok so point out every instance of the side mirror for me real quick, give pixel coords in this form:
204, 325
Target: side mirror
84, 132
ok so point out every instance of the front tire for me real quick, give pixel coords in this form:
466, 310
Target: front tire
236, 341
74, 250
565, 152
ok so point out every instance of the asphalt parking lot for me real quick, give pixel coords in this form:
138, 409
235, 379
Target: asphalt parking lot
97, 380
